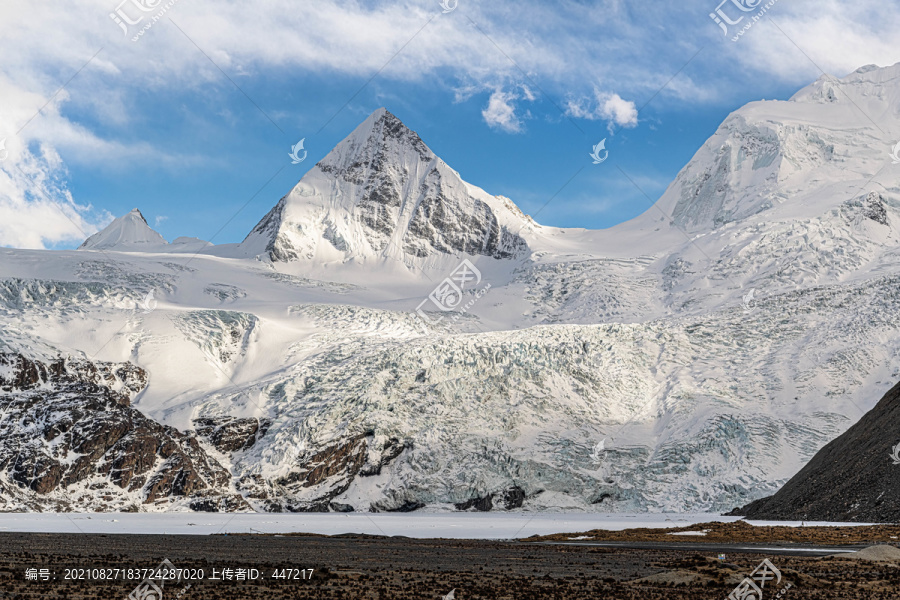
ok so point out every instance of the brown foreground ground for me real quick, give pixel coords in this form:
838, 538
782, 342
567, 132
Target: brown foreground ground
740, 532
362, 567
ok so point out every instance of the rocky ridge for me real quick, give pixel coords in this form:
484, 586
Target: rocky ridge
856, 477
72, 441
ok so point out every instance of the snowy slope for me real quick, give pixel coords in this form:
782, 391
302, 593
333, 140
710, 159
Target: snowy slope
714, 351
130, 232
791, 158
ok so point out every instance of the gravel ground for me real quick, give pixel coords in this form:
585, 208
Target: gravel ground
352, 567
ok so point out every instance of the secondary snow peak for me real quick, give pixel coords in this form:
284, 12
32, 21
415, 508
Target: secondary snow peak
382, 193
130, 233
800, 153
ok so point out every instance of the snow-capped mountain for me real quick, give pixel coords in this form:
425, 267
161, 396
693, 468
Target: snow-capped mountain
381, 193
337, 359
132, 233
128, 233
770, 153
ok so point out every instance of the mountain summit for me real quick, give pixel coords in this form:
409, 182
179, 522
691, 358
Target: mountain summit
382, 192
803, 151
129, 233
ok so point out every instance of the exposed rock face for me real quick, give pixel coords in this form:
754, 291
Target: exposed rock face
507, 499
329, 471
230, 503
392, 449
69, 433
383, 192
856, 477
871, 207
229, 434
277, 245
315, 479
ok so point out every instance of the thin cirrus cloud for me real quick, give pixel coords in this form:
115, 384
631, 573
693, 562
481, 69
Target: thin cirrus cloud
506, 56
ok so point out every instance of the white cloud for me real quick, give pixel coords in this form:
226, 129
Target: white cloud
612, 108
501, 113
828, 34
620, 112
36, 210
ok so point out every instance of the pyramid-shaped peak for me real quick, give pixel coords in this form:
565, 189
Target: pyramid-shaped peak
130, 233
381, 117
381, 192
380, 137
135, 212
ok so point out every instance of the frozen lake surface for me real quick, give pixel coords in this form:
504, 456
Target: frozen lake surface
488, 526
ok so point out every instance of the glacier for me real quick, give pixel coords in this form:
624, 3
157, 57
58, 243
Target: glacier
713, 344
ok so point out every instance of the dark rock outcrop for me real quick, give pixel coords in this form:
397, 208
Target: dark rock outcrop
230, 434
392, 449
69, 431
316, 480
229, 503
507, 499
872, 206
330, 470
853, 478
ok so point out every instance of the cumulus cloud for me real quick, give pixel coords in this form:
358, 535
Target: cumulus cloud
36, 209
612, 108
500, 112
620, 112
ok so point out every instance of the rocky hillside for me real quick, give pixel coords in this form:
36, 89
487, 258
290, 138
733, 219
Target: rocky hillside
70, 440
856, 477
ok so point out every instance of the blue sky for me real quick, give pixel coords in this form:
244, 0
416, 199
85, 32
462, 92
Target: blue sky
197, 117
